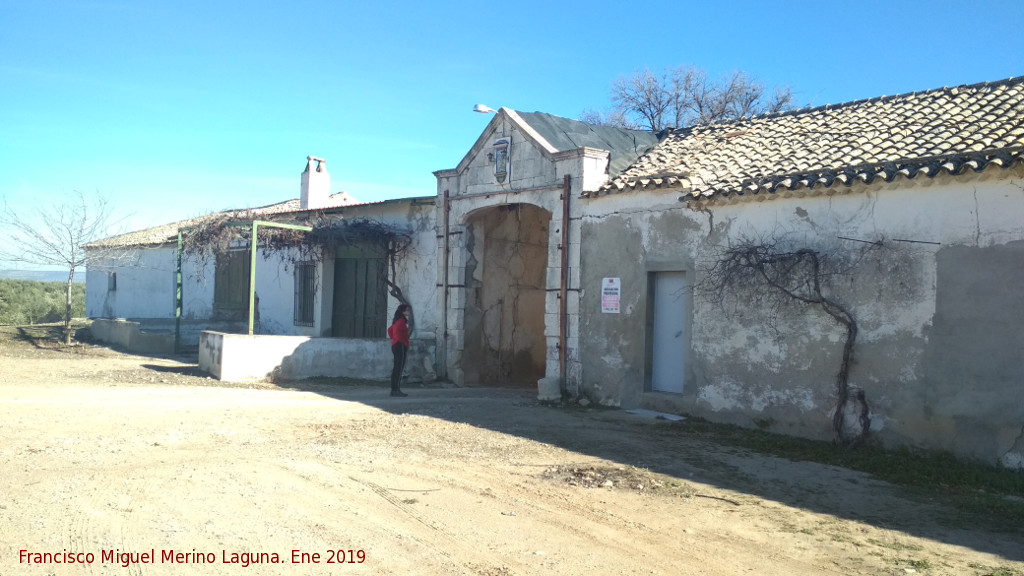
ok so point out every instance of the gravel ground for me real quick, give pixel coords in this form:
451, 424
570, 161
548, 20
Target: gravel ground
152, 468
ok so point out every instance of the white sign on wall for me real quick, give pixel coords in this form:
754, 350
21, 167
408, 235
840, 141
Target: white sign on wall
611, 292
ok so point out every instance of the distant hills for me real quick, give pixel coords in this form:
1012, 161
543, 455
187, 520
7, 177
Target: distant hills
43, 275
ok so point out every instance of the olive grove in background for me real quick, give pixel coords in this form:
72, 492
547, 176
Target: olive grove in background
24, 302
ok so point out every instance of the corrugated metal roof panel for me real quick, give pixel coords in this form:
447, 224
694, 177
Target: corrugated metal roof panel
564, 134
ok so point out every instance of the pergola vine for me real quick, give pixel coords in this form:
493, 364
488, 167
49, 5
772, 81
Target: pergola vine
291, 241
328, 235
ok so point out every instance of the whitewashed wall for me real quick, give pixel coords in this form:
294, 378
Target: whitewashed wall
146, 285
146, 280
940, 324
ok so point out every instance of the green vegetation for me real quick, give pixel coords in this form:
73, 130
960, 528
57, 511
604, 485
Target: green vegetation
980, 494
46, 336
24, 302
1000, 571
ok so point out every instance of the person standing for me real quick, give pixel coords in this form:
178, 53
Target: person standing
399, 334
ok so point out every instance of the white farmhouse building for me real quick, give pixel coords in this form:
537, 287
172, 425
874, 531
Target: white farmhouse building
298, 297
829, 273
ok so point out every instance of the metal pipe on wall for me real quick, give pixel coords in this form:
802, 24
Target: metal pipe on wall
442, 364
562, 307
253, 249
178, 298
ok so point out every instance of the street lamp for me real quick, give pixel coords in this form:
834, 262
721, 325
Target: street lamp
483, 109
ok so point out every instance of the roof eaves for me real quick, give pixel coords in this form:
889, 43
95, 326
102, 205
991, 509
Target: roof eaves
653, 183
166, 233
343, 207
950, 164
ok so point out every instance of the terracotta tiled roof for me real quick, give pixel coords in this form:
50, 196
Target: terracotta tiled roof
949, 130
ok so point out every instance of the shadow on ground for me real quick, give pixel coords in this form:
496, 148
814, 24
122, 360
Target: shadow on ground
42, 336
186, 370
663, 447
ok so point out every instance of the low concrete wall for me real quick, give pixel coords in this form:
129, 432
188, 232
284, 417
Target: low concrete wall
156, 335
240, 357
131, 337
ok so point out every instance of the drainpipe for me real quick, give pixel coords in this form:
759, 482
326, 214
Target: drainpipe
253, 248
562, 307
177, 300
442, 365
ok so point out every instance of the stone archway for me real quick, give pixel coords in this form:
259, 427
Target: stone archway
505, 282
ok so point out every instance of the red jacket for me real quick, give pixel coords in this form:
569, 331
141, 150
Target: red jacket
399, 332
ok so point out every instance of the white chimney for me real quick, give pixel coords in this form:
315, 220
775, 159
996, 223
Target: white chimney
316, 184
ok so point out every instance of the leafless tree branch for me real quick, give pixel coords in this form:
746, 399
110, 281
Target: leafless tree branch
684, 96
56, 235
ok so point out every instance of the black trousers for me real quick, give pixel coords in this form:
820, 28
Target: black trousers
400, 352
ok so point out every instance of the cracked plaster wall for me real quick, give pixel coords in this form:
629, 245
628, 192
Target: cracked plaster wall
941, 326
535, 179
505, 281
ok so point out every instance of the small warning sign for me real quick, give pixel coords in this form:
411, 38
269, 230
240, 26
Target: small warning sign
611, 292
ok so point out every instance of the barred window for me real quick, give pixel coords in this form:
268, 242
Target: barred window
305, 292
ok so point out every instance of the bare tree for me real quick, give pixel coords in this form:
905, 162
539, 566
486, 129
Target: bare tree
645, 96
54, 235
613, 118
684, 96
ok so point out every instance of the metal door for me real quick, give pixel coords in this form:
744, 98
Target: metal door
669, 333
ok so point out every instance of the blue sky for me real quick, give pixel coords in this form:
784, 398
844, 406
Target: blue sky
175, 109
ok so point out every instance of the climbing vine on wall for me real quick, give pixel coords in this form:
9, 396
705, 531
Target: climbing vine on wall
765, 274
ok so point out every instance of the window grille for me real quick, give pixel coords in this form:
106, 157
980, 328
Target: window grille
305, 293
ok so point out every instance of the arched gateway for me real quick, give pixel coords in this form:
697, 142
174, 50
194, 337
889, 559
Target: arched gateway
509, 237
505, 280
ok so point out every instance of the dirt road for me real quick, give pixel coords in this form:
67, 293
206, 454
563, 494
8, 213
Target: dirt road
136, 466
